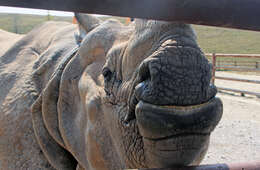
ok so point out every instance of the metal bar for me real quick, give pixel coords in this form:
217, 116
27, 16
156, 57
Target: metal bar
238, 69
242, 65
236, 79
235, 55
239, 65
239, 91
241, 14
237, 166
239, 62
213, 68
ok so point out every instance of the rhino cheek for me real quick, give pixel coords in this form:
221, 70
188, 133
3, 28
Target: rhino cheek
94, 152
92, 107
95, 135
125, 138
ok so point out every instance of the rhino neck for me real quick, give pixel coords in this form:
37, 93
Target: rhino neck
45, 114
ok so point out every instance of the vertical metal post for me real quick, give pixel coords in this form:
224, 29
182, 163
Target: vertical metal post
256, 65
213, 68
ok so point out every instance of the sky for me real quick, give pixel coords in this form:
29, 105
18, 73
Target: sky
32, 11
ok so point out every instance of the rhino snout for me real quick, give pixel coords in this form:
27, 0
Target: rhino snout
175, 106
171, 79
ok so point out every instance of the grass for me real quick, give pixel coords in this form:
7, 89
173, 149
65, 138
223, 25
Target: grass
222, 40
24, 23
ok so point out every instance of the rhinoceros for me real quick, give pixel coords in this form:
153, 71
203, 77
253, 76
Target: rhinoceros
112, 97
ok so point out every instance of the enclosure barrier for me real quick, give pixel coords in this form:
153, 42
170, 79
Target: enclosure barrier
237, 166
236, 67
240, 14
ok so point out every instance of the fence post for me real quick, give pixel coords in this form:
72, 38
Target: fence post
213, 68
256, 65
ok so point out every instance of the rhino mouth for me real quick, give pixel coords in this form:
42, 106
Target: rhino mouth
175, 135
159, 122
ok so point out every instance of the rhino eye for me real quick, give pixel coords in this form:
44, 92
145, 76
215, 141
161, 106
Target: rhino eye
106, 74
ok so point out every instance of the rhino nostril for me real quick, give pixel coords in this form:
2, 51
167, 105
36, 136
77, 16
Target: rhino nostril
139, 89
136, 90
144, 72
142, 80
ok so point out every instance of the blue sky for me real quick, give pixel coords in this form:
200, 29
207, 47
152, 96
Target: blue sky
32, 11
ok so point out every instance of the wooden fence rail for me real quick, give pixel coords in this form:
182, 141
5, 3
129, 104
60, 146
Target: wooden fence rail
234, 68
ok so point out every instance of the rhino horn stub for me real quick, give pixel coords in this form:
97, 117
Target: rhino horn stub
88, 22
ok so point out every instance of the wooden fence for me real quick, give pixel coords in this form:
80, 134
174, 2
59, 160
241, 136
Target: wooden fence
235, 65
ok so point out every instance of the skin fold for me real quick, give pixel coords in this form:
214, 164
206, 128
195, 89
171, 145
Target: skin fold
114, 97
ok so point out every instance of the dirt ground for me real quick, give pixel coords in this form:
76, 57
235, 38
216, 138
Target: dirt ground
237, 137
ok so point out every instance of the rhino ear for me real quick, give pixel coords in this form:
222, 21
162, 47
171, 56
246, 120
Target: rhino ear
86, 23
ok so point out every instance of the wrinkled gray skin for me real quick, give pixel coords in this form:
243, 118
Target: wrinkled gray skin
130, 97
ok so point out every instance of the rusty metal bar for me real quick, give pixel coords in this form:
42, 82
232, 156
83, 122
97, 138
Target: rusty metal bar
236, 166
239, 62
241, 14
239, 55
239, 65
234, 55
213, 68
236, 79
238, 69
239, 91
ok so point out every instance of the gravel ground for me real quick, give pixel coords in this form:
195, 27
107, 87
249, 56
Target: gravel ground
237, 137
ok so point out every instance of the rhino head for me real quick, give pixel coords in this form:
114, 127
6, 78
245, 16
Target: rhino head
136, 96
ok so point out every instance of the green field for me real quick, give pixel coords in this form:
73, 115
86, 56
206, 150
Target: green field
211, 39
222, 40
24, 23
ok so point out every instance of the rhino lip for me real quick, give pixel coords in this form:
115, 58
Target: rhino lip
167, 143
131, 115
132, 103
184, 148
164, 122
177, 136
